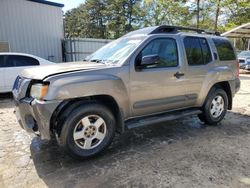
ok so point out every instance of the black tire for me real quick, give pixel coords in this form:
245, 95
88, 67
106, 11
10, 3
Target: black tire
206, 116
66, 138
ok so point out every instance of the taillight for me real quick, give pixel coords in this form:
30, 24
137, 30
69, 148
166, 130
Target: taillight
238, 69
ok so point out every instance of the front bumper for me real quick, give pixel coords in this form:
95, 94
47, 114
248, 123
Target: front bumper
247, 67
34, 116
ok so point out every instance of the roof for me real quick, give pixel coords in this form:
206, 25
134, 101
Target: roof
48, 3
170, 30
242, 31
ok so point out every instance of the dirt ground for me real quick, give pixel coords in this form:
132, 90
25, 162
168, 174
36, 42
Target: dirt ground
183, 153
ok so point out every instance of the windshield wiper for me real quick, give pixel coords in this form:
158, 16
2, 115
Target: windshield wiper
98, 61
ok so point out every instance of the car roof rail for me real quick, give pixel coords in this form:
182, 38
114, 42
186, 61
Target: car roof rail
176, 29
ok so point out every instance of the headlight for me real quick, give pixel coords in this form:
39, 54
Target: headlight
248, 61
38, 91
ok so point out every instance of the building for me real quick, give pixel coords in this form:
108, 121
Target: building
32, 26
240, 32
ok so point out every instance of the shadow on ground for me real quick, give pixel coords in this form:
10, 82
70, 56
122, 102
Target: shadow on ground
56, 168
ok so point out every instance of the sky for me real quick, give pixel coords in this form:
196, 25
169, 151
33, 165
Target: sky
68, 4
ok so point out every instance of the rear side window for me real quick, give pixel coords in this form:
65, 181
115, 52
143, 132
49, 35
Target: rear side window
224, 49
19, 61
197, 51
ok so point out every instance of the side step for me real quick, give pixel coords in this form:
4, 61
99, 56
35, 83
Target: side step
153, 119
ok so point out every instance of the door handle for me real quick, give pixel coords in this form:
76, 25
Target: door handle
179, 74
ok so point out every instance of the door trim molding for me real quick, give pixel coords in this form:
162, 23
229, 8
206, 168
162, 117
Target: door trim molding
164, 101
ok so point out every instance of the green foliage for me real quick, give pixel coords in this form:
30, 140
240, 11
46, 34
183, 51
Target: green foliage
114, 18
171, 12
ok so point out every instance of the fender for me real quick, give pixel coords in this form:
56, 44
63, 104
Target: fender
214, 76
81, 84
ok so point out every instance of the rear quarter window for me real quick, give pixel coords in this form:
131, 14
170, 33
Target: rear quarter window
224, 49
2, 61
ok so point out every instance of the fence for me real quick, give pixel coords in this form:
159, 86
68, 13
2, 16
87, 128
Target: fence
77, 49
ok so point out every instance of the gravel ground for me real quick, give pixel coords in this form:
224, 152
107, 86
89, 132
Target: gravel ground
183, 153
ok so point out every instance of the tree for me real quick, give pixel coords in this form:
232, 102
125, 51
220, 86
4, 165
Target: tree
172, 12
218, 4
103, 18
123, 16
198, 13
114, 18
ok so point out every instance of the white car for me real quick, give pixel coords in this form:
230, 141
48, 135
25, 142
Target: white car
11, 65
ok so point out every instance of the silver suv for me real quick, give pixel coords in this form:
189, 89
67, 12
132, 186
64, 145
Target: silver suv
148, 76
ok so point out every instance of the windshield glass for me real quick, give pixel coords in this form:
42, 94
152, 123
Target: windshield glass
115, 51
244, 53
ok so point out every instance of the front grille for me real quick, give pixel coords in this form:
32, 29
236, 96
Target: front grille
20, 87
17, 83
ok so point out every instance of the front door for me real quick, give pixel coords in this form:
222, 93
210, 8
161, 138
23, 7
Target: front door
161, 86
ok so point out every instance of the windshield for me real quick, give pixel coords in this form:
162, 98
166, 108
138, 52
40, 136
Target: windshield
244, 53
115, 51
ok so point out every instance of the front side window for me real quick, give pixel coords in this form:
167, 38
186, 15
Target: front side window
224, 49
165, 49
19, 61
197, 51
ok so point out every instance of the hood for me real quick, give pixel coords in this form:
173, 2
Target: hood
243, 57
44, 71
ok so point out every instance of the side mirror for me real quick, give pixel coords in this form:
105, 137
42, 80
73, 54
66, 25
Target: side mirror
149, 60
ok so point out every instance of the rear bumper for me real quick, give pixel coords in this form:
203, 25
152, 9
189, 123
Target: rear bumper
34, 116
237, 85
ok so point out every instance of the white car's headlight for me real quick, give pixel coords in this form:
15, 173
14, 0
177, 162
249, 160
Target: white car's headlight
39, 90
248, 60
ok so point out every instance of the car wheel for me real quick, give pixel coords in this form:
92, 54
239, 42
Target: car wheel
215, 107
87, 130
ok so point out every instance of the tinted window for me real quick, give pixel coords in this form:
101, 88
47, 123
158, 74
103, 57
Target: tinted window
166, 49
224, 49
18, 61
197, 51
1, 61
207, 57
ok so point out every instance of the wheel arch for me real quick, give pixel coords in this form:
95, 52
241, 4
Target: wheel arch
227, 88
68, 105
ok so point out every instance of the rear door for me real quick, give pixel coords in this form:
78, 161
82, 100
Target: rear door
14, 66
199, 62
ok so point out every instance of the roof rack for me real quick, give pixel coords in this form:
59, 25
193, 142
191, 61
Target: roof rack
176, 29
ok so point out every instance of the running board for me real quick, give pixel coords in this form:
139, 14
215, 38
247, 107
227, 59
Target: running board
154, 119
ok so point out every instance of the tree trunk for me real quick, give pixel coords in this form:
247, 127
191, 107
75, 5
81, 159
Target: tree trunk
198, 13
217, 15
